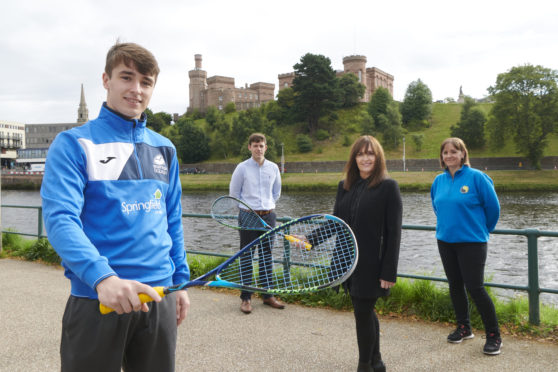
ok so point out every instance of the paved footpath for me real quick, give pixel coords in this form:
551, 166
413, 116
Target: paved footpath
217, 337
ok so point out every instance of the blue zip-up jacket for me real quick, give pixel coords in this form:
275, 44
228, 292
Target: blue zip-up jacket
112, 204
466, 206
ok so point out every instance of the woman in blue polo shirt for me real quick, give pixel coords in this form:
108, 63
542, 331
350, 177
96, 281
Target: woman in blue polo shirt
467, 210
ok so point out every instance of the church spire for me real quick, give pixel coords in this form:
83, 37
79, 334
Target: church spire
83, 112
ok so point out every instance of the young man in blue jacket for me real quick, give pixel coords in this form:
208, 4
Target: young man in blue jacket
112, 208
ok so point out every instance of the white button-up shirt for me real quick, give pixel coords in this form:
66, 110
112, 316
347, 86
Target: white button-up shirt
258, 186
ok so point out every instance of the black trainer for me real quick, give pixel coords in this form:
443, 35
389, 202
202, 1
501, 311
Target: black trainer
461, 333
493, 344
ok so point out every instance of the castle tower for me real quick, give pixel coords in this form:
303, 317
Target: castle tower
83, 112
357, 65
198, 84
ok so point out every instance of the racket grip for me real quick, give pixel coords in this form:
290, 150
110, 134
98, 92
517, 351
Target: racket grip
142, 296
292, 239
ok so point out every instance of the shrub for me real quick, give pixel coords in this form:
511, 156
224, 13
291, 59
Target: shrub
304, 143
322, 134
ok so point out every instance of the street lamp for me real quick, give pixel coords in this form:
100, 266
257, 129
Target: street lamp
404, 154
282, 160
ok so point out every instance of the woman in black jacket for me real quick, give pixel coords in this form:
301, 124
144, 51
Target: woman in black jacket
370, 202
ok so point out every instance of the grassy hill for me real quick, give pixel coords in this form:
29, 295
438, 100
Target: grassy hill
344, 130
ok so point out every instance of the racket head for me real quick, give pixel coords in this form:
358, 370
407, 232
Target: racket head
292, 269
233, 212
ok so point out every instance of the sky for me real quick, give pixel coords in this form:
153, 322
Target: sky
49, 48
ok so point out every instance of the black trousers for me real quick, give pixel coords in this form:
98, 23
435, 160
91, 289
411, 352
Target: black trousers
265, 264
135, 342
464, 266
367, 329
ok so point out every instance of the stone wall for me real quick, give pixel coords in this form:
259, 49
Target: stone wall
19, 182
412, 165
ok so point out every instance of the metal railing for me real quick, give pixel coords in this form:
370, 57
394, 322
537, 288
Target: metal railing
532, 288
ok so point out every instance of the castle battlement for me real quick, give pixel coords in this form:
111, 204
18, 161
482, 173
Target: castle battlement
354, 57
219, 91
372, 77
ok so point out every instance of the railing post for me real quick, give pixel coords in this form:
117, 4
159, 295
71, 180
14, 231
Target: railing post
40, 223
533, 275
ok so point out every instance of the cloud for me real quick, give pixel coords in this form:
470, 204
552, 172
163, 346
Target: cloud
50, 48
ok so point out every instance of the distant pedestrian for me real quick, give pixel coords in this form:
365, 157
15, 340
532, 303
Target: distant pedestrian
467, 210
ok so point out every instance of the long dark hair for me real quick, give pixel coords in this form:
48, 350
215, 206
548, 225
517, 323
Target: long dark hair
379, 171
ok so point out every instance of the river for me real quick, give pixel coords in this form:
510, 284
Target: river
507, 254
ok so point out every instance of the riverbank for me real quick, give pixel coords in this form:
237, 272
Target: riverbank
505, 180
415, 299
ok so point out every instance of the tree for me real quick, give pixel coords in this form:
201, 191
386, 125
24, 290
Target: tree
246, 123
211, 116
378, 105
154, 122
418, 139
281, 111
393, 132
470, 127
221, 138
367, 124
165, 116
315, 89
193, 144
526, 107
230, 108
304, 143
416, 107
351, 90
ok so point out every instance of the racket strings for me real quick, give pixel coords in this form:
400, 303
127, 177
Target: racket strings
279, 266
227, 211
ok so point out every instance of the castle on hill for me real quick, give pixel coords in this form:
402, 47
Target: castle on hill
218, 90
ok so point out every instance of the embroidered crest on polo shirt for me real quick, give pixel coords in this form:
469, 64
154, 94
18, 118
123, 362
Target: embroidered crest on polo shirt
159, 165
464, 189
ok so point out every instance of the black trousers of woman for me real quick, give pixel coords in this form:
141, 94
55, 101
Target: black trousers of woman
367, 329
464, 266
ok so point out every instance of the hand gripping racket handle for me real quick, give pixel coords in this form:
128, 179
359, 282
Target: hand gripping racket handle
142, 296
292, 239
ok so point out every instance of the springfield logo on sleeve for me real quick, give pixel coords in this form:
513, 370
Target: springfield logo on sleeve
159, 165
464, 189
153, 204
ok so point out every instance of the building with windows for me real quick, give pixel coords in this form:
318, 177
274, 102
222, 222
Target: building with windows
38, 137
371, 77
218, 91
12, 138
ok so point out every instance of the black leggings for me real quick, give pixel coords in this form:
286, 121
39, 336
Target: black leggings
464, 266
367, 329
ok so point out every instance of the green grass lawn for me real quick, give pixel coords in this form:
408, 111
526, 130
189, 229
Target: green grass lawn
444, 115
523, 180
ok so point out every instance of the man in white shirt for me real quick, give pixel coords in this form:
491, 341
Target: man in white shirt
257, 182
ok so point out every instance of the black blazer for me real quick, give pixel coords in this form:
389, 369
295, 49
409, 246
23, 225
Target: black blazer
375, 216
